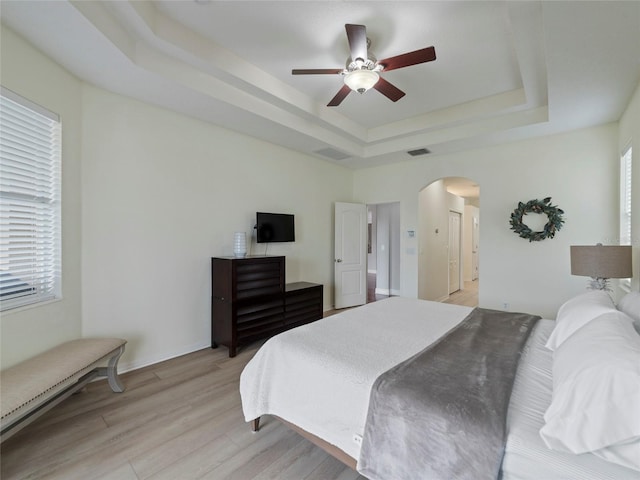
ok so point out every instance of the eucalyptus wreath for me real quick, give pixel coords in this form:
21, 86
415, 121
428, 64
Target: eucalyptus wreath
553, 213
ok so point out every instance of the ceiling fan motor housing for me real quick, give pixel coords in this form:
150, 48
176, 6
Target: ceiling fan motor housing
371, 62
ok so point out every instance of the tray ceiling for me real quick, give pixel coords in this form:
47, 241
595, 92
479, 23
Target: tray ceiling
504, 70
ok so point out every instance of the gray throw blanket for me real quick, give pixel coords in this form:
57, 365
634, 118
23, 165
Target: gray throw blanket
441, 414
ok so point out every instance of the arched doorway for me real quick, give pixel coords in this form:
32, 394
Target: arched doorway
449, 226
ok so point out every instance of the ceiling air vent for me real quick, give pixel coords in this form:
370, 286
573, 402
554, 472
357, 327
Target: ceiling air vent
420, 151
332, 153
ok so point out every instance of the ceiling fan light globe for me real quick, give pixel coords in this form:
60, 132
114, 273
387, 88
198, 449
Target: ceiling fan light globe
361, 80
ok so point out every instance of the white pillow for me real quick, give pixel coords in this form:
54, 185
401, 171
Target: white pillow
630, 304
596, 391
626, 454
577, 312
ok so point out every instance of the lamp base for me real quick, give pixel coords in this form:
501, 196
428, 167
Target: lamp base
599, 283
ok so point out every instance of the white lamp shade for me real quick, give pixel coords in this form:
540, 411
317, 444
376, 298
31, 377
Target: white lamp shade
361, 80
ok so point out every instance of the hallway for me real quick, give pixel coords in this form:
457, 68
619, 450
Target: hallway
467, 297
371, 289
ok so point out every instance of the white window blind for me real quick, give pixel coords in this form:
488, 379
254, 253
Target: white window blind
625, 205
625, 198
30, 153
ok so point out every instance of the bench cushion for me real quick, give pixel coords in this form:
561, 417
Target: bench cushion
42, 376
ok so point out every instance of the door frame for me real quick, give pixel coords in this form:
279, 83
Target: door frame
460, 258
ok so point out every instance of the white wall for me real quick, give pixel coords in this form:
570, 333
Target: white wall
470, 211
629, 131
433, 239
388, 249
455, 204
30, 330
372, 260
394, 244
579, 170
162, 193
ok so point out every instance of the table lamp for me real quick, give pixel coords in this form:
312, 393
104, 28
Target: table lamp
601, 262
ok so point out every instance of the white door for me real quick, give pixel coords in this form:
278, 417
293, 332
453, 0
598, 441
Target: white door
350, 262
454, 251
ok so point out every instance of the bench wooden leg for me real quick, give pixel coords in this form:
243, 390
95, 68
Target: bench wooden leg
111, 372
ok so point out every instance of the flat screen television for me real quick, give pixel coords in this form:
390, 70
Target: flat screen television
275, 227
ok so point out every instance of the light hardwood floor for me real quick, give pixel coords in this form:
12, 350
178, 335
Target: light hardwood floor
468, 296
179, 419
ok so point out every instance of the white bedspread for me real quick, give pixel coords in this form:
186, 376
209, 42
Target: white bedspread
319, 376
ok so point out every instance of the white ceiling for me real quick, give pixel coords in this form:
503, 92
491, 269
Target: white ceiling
504, 70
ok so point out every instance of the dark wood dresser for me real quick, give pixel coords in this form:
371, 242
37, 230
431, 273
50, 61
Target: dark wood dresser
250, 300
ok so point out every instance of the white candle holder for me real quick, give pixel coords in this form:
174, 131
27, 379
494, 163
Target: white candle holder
240, 244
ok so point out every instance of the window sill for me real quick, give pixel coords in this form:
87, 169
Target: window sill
30, 306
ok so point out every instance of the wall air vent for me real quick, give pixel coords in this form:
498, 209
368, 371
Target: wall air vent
332, 153
419, 151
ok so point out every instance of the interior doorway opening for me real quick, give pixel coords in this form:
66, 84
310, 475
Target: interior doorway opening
383, 250
449, 241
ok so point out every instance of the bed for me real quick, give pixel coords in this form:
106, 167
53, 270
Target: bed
320, 379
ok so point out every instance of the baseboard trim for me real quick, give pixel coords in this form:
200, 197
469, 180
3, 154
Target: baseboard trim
387, 292
145, 362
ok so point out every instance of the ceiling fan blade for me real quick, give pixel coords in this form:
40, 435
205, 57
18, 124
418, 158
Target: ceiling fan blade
407, 59
340, 96
357, 36
390, 91
316, 71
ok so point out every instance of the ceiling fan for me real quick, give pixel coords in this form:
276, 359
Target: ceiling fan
363, 69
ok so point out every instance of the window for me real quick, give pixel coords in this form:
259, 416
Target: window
30, 153
625, 204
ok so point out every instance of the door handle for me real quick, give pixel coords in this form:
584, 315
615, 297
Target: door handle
338, 260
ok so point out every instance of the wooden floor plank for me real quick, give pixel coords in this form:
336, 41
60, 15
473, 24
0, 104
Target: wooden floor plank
297, 462
332, 469
162, 456
250, 460
123, 472
199, 461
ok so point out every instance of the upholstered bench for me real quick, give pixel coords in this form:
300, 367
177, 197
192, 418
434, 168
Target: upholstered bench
31, 388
